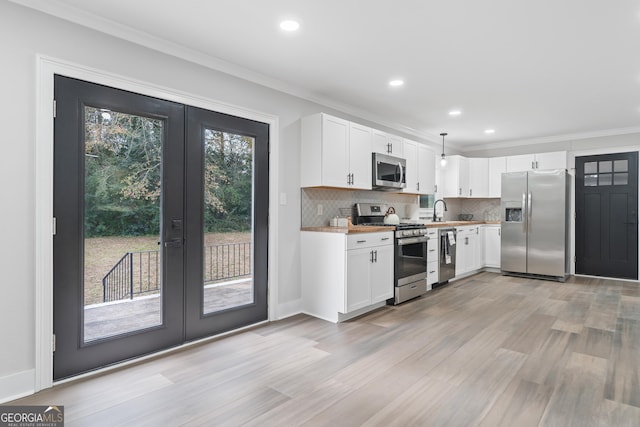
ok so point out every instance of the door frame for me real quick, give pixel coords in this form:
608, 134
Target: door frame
572, 170
46, 68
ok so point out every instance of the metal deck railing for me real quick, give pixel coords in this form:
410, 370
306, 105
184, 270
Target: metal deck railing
138, 273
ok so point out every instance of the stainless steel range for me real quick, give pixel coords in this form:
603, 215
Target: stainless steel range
410, 265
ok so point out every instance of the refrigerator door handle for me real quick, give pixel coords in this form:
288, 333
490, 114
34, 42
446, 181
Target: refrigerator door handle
524, 212
529, 213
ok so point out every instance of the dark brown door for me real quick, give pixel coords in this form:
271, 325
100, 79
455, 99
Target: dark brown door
607, 215
118, 270
162, 216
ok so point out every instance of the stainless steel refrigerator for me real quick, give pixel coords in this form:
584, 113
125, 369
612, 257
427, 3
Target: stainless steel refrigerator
535, 209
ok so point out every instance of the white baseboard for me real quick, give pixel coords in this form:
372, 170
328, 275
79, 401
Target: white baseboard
288, 309
17, 385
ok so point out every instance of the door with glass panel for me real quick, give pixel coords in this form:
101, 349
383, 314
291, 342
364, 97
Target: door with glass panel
227, 188
607, 215
160, 237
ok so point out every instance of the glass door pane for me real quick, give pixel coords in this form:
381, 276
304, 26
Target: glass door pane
228, 226
122, 205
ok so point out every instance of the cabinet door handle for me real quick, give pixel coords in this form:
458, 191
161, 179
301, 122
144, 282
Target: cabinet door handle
371, 259
499, 232
384, 238
459, 191
361, 241
435, 188
466, 240
432, 272
471, 192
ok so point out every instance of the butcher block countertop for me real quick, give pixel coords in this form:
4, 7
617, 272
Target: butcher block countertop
351, 230
458, 223
374, 229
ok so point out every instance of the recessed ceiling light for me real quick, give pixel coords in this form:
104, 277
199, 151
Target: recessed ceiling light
396, 83
455, 112
289, 25
490, 131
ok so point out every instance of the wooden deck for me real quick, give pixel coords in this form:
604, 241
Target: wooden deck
118, 317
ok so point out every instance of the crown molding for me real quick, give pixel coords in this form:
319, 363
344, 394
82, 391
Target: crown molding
555, 138
92, 21
72, 14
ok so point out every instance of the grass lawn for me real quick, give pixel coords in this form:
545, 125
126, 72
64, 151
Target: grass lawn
102, 253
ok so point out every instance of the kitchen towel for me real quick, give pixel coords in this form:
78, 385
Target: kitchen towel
452, 237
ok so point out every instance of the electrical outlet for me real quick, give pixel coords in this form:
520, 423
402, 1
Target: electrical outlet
320, 209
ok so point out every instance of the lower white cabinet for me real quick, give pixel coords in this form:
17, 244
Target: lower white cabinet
433, 254
369, 276
344, 274
492, 245
469, 251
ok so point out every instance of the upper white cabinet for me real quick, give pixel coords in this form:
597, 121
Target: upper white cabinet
478, 177
335, 153
387, 143
420, 168
526, 162
553, 160
454, 177
497, 166
360, 156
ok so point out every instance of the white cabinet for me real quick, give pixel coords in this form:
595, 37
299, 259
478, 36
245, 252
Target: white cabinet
335, 153
454, 177
410, 150
381, 274
492, 241
469, 252
478, 177
360, 156
426, 170
497, 166
420, 168
343, 274
387, 143
554, 160
433, 254
526, 162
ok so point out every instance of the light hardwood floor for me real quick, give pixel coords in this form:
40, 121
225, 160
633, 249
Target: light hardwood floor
488, 350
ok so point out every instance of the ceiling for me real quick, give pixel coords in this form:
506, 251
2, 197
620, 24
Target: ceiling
534, 71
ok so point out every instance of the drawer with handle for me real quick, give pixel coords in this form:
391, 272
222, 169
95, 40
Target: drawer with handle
368, 240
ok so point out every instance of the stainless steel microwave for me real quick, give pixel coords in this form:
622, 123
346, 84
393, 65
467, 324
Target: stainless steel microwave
388, 172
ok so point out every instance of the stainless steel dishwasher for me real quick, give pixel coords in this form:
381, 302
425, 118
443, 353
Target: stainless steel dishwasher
447, 261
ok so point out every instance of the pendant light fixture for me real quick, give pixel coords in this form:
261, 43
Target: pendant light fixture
443, 159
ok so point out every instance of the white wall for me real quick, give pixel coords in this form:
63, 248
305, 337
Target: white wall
26, 33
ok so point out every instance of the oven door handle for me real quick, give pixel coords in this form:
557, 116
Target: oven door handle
411, 240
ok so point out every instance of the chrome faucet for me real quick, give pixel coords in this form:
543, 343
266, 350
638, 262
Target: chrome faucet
434, 208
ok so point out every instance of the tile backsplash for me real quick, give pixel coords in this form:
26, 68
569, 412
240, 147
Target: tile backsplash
481, 209
319, 205
328, 201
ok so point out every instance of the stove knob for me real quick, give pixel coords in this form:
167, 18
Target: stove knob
407, 233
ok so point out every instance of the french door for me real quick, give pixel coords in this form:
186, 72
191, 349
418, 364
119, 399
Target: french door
161, 224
